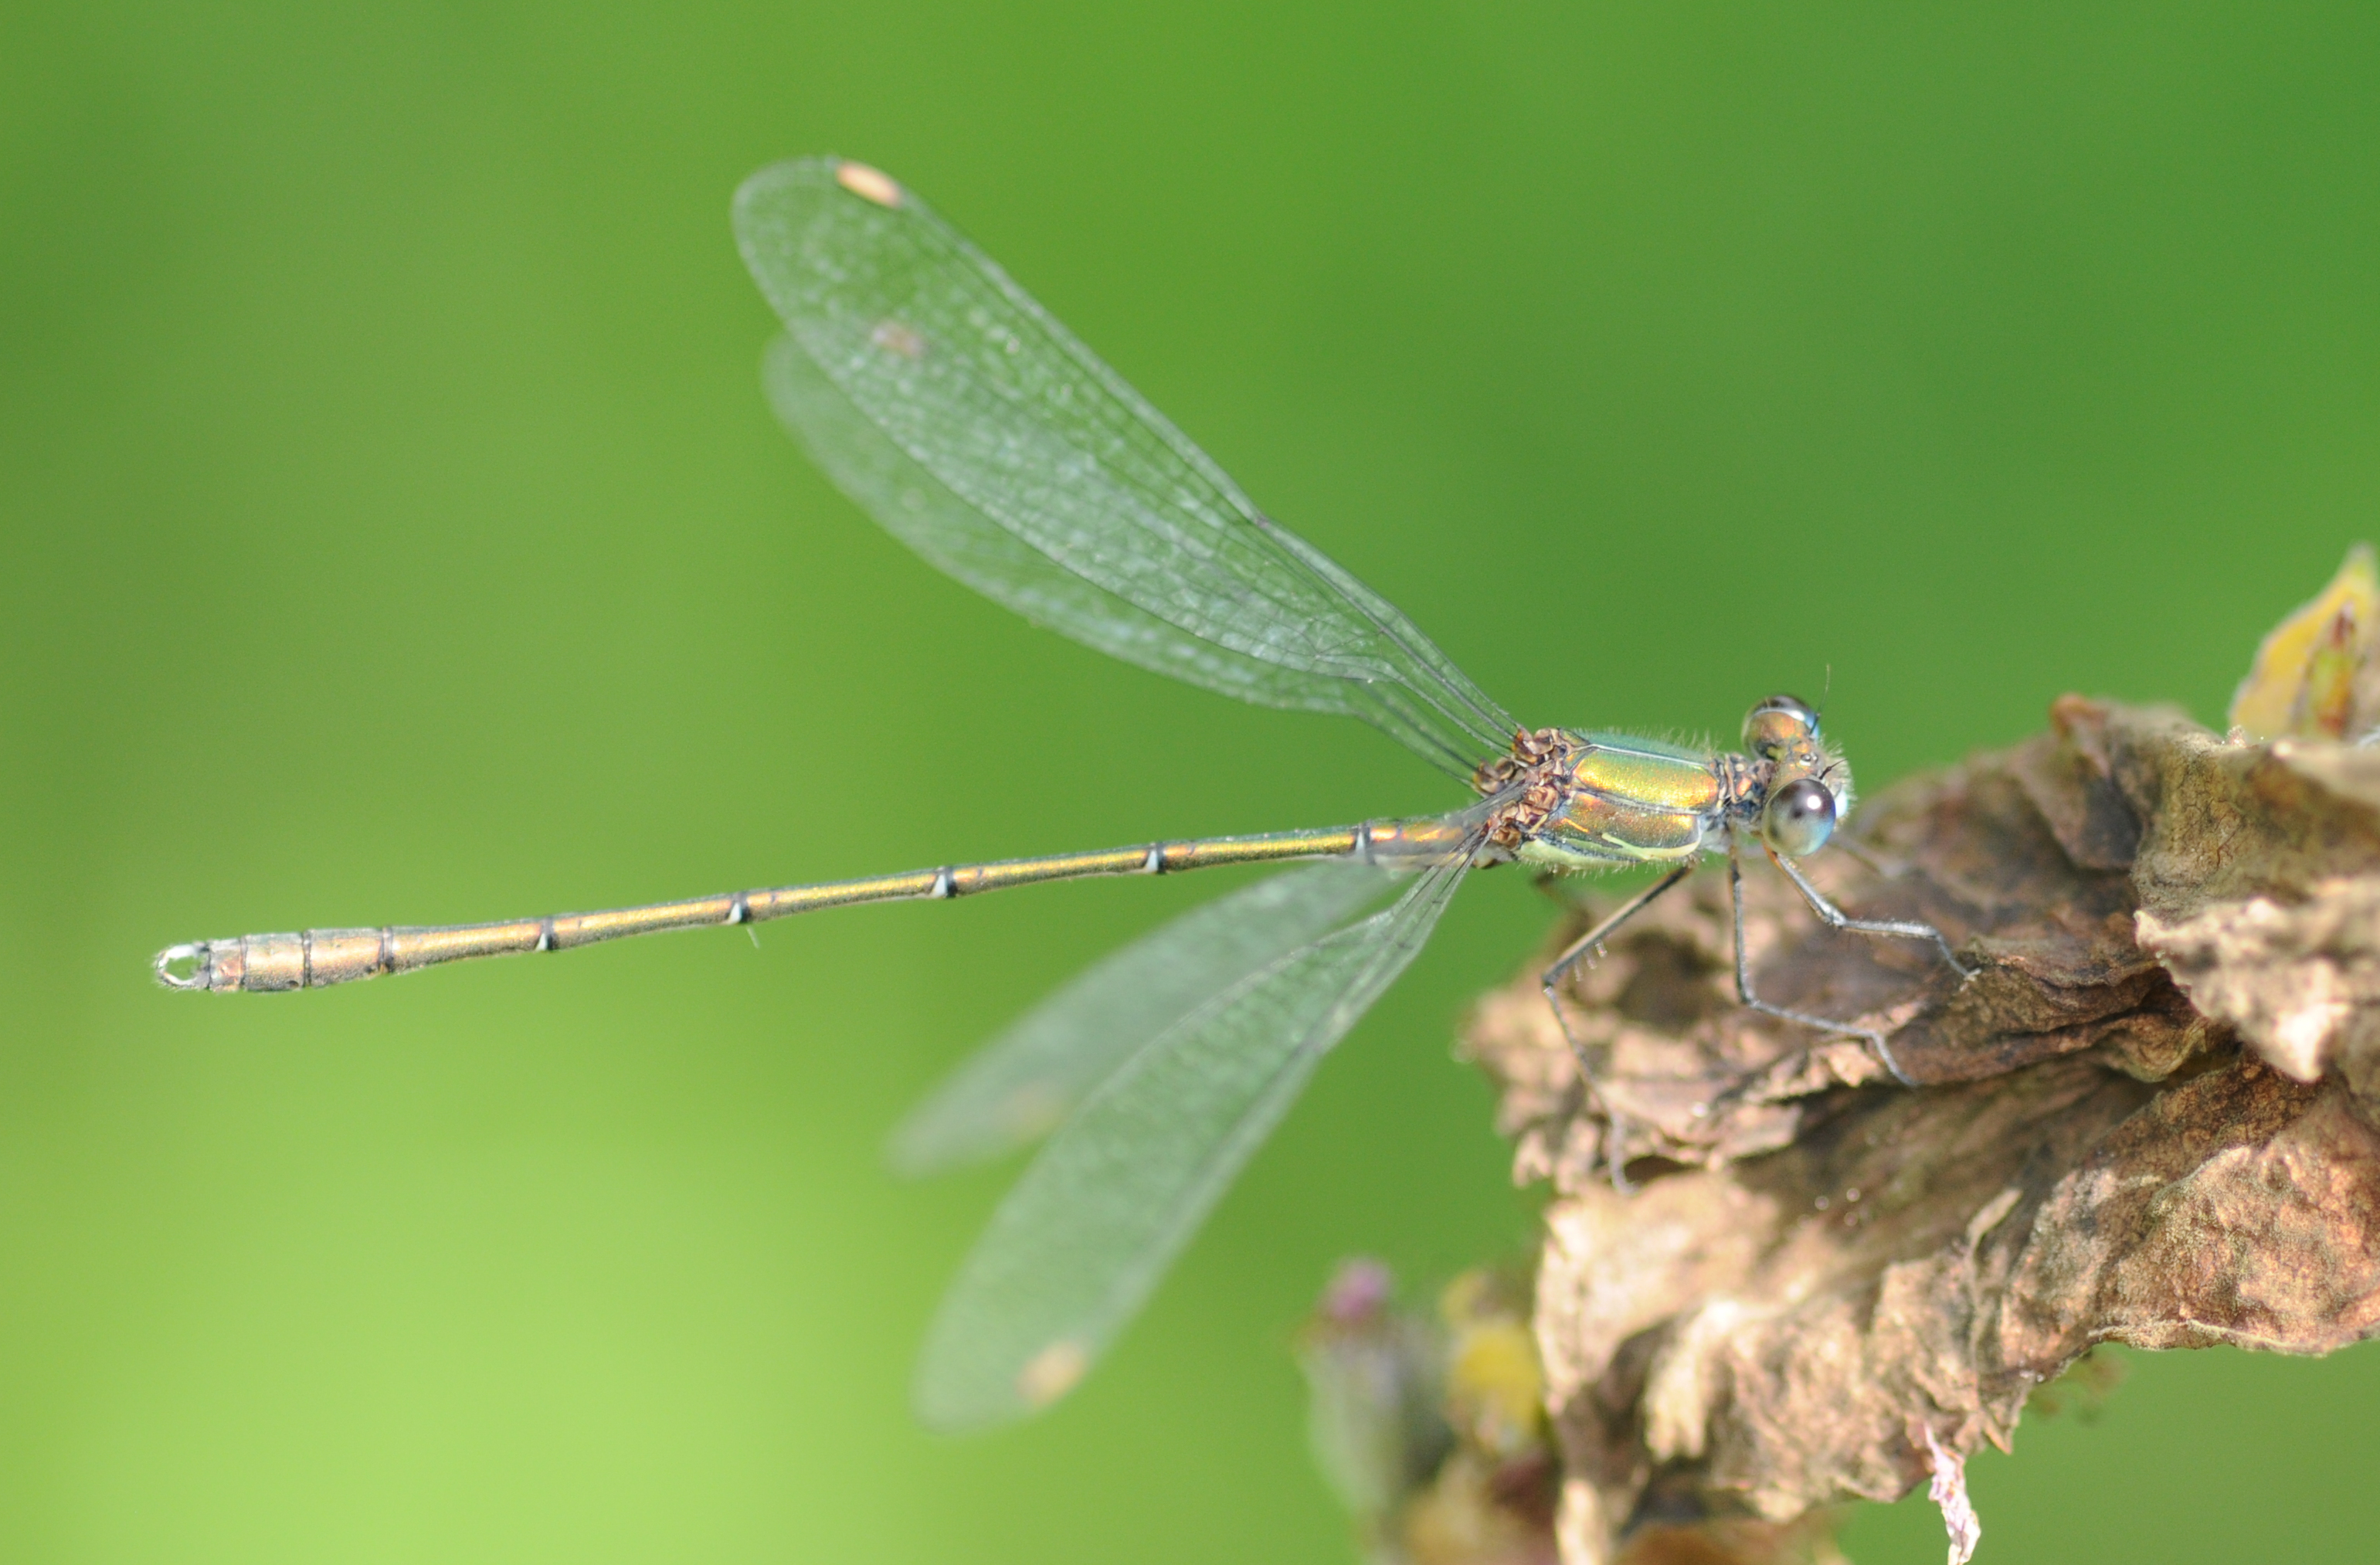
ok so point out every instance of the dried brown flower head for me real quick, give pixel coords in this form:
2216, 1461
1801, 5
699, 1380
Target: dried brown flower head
2154, 1118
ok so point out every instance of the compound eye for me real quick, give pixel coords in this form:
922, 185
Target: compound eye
1775, 724
1800, 818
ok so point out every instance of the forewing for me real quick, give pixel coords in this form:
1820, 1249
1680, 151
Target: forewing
1076, 1246
1035, 439
954, 537
1021, 1085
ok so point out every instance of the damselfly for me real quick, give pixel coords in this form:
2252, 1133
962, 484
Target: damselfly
955, 410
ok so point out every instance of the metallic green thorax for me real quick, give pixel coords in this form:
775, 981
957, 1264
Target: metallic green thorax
1591, 800
1627, 800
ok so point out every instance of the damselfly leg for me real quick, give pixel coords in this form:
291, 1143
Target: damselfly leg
1751, 1001
1836, 918
1572, 954
1590, 945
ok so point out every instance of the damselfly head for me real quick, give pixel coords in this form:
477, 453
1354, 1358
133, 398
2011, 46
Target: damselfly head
1809, 785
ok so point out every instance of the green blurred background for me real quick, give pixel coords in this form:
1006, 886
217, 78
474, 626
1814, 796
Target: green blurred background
394, 531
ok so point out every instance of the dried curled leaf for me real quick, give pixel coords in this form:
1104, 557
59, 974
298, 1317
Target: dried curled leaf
2153, 1118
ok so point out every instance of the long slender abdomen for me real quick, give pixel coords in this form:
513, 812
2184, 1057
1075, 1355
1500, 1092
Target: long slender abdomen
318, 958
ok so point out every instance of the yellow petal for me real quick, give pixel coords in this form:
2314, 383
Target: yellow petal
2301, 685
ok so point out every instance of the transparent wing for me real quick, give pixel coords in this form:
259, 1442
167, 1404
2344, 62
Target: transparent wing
1021, 1085
954, 538
1079, 1243
1030, 441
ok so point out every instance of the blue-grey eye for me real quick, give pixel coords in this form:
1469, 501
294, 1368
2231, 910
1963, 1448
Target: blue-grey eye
1800, 818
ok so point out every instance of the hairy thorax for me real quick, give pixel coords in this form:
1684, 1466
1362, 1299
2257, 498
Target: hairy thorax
1586, 800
